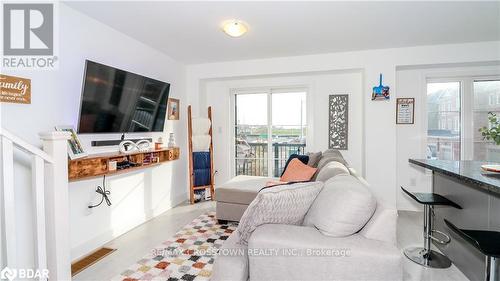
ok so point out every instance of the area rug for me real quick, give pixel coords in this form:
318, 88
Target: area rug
188, 256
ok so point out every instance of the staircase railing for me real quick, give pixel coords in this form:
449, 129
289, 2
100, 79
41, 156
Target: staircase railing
49, 180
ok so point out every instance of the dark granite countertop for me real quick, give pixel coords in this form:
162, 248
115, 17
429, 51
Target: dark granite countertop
466, 171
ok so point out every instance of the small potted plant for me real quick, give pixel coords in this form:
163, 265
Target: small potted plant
493, 132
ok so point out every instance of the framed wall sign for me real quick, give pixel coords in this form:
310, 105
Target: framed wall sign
405, 110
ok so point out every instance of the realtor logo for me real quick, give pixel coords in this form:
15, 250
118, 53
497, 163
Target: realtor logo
28, 29
28, 35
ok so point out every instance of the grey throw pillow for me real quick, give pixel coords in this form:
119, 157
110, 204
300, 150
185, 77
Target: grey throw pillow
342, 208
314, 158
330, 170
284, 204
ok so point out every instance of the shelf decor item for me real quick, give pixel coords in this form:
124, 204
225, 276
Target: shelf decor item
492, 131
338, 122
405, 110
171, 140
380, 92
173, 109
75, 150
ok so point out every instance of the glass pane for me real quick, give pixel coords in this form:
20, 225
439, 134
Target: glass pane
486, 99
288, 128
443, 117
251, 133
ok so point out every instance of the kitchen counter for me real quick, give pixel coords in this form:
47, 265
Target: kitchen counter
478, 193
465, 171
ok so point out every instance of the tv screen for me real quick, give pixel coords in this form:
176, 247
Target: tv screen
117, 101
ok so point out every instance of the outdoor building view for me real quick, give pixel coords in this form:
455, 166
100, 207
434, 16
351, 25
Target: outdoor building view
447, 113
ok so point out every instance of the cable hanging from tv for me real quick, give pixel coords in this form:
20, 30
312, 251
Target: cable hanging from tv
104, 194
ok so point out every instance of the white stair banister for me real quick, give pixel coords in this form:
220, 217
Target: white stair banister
9, 210
38, 185
57, 205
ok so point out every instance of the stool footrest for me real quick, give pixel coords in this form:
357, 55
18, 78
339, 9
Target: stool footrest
446, 240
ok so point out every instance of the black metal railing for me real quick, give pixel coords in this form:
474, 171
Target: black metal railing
256, 162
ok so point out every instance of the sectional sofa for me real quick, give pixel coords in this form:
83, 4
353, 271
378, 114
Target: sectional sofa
304, 251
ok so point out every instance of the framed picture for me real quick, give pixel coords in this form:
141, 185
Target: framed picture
173, 109
75, 148
405, 110
381, 92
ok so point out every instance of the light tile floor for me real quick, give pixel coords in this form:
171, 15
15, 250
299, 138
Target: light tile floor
138, 242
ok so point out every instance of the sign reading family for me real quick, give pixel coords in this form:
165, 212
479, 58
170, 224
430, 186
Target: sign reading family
29, 40
15, 89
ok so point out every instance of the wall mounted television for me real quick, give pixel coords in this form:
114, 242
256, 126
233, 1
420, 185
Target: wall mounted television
117, 101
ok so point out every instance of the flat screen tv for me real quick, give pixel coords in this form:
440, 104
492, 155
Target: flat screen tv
117, 101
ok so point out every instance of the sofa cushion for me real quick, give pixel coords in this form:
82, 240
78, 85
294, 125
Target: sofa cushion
303, 158
342, 208
241, 189
328, 156
284, 204
297, 171
330, 170
314, 158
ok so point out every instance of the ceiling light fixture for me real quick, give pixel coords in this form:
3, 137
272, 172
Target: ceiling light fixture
234, 28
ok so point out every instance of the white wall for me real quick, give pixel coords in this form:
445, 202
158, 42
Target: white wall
411, 139
319, 86
56, 100
379, 134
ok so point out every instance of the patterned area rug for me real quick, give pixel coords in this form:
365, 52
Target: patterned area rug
188, 256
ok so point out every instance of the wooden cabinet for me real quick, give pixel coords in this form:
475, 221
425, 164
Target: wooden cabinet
99, 164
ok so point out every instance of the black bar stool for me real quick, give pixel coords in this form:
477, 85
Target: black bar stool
487, 242
425, 256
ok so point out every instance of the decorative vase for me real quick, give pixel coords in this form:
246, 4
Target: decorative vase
171, 140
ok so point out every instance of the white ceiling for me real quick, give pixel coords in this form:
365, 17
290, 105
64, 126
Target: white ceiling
190, 31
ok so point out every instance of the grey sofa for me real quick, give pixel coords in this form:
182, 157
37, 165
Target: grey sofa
234, 196
370, 254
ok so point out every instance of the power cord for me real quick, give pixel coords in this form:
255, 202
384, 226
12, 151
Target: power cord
104, 194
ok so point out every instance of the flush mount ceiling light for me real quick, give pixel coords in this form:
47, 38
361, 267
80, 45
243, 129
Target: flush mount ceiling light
234, 28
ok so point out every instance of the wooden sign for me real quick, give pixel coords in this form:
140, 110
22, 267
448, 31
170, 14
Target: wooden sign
15, 89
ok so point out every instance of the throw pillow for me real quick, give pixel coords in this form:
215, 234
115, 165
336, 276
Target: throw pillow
297, 171
303, 158
342, 208
314, 158
330, 170
284, 204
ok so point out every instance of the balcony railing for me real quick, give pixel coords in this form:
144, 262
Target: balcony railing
255, 161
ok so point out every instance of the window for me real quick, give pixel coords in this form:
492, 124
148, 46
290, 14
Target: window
443, 120
269, 127
486, 99
456, 109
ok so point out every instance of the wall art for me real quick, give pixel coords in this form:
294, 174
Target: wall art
380, 92
338, 123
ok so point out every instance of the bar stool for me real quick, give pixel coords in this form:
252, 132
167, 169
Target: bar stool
487, 242
425, 256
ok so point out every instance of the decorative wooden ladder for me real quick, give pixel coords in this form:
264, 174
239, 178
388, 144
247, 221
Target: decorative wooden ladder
49, 168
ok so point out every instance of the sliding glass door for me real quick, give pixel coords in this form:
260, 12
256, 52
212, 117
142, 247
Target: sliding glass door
269, 126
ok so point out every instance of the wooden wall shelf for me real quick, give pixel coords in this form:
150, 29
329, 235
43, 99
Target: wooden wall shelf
99, 164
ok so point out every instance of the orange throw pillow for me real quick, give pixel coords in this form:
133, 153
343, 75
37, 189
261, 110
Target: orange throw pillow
297, 171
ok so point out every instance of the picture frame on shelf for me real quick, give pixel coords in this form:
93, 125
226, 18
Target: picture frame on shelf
173, 109
75, 148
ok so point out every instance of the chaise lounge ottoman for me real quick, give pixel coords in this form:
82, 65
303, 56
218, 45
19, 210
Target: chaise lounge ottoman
234, 196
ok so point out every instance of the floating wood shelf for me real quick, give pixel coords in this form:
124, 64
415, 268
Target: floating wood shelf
98, 164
